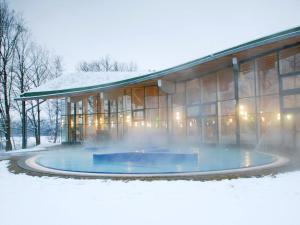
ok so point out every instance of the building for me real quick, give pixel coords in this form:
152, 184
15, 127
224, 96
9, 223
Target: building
241, 96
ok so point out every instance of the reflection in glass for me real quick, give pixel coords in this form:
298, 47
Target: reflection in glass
226, 84
289, 60
209, 88
246, 80
267, 75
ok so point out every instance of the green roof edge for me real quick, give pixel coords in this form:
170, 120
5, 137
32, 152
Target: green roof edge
248, 45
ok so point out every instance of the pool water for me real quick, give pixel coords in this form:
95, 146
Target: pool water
153, 161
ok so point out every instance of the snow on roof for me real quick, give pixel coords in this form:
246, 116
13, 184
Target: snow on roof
85, 79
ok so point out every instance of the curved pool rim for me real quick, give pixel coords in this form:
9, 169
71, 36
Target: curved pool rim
32, 165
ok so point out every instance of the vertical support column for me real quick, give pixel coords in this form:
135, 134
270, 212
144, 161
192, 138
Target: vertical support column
74, 123
24, 125
169, 114
281, 106
235, 67
69, 118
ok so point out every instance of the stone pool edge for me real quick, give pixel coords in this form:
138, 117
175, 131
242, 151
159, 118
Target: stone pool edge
29, 164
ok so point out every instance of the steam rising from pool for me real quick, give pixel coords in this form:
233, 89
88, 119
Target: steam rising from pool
150, 152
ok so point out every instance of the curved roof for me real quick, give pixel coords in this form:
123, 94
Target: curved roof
83, 82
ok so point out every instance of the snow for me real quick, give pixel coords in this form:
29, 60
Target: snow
45, 143
59, 201
85, 79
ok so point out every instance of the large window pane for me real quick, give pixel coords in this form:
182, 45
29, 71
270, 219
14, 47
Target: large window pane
227, 122
138, 115
152, 120
194, 130
210, 132
127, 99
226, 84
267, 75
179, 96
151, 97
247, 80
269, 119
193, 92
291, 82
290, 60
138, 96
193, 111
247, 118
292, 101
209, 109
209, 88
179, 121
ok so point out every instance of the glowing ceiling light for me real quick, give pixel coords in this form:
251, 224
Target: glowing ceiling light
177, 116
278, 116
289, 116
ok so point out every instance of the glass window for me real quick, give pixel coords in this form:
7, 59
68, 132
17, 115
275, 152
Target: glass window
194, 130
138, 96
193, 92
227, 124
113, 106
292, 101
90, 105
151, 97
193, 111
209, 88
227, 108
127, 99
267, 75
162, 100
226, 84
289, 60
179, 116
227, 130
210, 133
268, 104
138, 115
247, 80
64, 106
179, 96
209, 109
120, 104
291, 82
152, 120
247, 121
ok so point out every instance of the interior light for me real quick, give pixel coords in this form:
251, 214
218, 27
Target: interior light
278, 116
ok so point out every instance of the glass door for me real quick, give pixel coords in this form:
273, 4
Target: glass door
76, 121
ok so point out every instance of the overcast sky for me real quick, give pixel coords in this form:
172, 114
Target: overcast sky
156, 34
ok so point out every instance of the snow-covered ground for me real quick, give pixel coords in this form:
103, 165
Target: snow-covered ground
57, 201
17, 141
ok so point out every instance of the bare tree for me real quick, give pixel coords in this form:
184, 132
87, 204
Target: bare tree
10, 30
21, 83
53, 106
106, 64
39, 74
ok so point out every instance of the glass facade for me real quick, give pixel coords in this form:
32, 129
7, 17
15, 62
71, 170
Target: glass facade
204, 109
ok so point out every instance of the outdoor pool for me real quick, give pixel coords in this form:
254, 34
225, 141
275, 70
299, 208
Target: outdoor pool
152, 161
